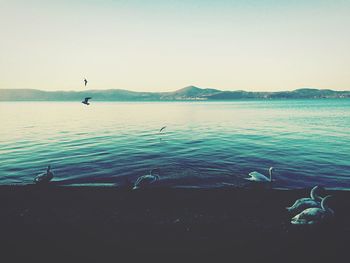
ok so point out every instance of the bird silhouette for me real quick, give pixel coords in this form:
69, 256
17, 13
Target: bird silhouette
85, 81
86, 101
44, 178
146, 180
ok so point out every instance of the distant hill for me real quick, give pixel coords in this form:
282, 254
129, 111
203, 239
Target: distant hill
187, 93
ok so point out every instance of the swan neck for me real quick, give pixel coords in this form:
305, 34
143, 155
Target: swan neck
324, 205
270, 173
314, 195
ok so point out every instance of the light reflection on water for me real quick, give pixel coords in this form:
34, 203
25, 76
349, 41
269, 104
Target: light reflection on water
205, 144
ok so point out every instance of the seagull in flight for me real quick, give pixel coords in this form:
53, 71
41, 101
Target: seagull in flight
85, 81
86, 101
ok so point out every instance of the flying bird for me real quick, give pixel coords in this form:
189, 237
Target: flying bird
85, 81
314, 215
86, 101
162, 129
146, 180
44, 177
307, 202
258, 177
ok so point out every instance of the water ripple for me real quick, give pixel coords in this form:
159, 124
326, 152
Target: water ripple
204, 144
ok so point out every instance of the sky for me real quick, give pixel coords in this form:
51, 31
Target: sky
265, 45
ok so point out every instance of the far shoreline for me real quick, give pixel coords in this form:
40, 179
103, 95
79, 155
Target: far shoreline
190, 93
196, 101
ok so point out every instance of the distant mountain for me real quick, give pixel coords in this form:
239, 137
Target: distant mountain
187, 93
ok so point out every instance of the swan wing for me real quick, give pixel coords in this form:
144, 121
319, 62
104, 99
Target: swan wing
144, 180
302, 204
296, 204
138, 181
308, 216
148, 178
256, 176
45, 177
38, 178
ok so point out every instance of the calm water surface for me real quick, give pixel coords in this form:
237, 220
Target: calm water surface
205, 144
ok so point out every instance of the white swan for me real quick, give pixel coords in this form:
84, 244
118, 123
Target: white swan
301, 204
314, 215
44, 177
258, 177
146, 180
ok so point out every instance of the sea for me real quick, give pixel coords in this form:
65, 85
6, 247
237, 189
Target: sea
204, 145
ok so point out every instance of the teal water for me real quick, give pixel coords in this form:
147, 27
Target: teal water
205, 144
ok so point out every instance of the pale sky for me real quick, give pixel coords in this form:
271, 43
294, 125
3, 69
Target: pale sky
151, 45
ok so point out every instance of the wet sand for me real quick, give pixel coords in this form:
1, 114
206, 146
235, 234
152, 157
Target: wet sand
99, 223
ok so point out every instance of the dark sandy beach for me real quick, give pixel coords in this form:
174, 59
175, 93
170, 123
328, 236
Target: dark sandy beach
98, 223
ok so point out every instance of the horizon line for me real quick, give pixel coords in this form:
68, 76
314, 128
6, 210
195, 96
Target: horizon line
86, 89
